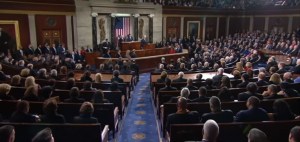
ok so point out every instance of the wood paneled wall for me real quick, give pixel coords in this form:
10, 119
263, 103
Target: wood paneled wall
23, 26
239, 24
173, 25
259, 23
210, 28
50, 22
281, 23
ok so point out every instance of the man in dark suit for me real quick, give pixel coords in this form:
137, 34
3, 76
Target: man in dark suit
53, 50
38, 50
245, 81
29, 50
168, 86
271, 93
296, 69
20, 54
116, 77
217, 114
180, 78
106, 43
217, 78
254, 113
251, 91
89, 49
143, 42
46, 49
261, 80
210, 131
129, 38
190, 85
182, 116
281, 68
202, 95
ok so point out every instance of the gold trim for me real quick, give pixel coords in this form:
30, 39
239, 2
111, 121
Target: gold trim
35, 3
36, 12
17, 30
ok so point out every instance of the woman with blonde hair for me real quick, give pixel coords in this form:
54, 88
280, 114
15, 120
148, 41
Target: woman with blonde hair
239, 67
98, 78
275, 79
16, 81
30, 81
25, 72
31, 94
4, 92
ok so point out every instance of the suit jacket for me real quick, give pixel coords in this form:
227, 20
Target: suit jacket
53, 118
243, 84
262, 83
192, 87
252, 115
245, 95
53, 51
296, 69
186, 118
224, 116
117, 79
180, 80
201, 99
85, 119
281, 71
38, 51
22, 117
217, 80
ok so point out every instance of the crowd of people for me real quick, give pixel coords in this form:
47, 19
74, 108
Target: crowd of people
229, 4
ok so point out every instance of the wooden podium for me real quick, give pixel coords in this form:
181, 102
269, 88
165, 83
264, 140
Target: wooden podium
131, 45
90, 57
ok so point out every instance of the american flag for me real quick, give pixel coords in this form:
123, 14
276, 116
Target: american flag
122, 26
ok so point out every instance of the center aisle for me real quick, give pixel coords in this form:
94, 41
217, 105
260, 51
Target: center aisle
139, 123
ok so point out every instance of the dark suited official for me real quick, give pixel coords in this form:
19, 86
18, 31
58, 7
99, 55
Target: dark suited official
5, 40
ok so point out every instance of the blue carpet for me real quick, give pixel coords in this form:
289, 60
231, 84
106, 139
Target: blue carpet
139, 123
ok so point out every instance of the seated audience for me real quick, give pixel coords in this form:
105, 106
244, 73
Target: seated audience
30, 81
287, 91
210, 131
281, 111
31, 94
251, 91
45, 93
116, 77
25, 72
163, 77
288, 77
217, 114
98, 97
87, 86
190, 86
202, 95
21, 114
185, 93
86, 77
16, 81
86, 112
225, 95
281, 68
275, 79
7, 133
254, 113
217, 78
4, 92
114, 86
44, 135
209, 84
198, 78
3, 76
50, 113
271, 93
225, 82
180, 78
168, 86
261, 79
70, 83
42, 74
74, 96
182, 115
256, 135
98, 78
245, 81
53, 75
294, 134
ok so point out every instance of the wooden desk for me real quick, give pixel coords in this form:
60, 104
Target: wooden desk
277, 54
148, 63
130, 45
189, 76
90, 57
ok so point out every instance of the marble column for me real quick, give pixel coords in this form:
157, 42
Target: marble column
136, 27
112, 31
151, 28
94, 28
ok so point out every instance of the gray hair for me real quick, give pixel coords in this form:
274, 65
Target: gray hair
185, 92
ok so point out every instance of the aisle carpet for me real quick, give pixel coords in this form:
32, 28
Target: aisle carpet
139, 123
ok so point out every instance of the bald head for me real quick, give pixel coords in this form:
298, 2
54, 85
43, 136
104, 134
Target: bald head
210, 130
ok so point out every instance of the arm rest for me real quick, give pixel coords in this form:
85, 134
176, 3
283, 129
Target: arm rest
116, 117
104, 133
